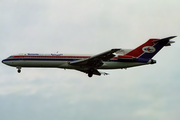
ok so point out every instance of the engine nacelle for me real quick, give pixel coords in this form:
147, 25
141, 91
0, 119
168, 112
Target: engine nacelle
127, 57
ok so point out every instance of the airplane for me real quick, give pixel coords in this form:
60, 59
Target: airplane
112, 59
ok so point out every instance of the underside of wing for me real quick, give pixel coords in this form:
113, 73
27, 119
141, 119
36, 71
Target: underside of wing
94, 71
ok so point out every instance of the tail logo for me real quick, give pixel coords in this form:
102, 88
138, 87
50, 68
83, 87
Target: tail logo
149, 49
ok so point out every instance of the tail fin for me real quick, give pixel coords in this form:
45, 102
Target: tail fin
150, 48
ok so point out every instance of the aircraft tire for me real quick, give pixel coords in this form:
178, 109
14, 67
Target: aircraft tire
19, 71
90, 74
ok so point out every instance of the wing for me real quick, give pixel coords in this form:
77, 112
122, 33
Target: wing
95, 61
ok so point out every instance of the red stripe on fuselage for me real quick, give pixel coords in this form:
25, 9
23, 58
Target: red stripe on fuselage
80, 57
51, 56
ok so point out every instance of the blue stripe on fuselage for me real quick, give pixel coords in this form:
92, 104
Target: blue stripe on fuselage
65, 59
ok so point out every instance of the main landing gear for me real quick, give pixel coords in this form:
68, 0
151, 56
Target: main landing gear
19, 69
90, 73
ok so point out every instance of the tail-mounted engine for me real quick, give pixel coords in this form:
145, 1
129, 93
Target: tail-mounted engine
127, 58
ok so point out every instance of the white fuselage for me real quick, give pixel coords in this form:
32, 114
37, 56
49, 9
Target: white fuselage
61, 61
112, 59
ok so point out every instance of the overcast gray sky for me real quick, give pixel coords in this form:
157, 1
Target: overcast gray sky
89, 26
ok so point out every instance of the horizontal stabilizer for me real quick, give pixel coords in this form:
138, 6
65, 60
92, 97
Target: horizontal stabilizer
169, 43
164, 39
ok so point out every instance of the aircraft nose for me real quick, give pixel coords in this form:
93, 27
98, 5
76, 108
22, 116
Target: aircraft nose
2, 61
6, 62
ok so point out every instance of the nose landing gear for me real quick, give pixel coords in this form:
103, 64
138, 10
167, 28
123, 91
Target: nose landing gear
19, 69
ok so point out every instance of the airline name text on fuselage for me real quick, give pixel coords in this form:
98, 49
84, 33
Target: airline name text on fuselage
45, 54
56, 54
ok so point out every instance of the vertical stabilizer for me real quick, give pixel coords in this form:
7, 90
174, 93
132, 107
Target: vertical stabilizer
150, 48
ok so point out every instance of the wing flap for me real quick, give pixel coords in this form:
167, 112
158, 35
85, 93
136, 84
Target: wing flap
105, 56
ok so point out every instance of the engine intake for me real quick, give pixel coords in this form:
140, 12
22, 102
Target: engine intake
151, 61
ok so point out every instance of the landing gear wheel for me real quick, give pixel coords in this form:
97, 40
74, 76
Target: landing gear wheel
19, 71
90, 74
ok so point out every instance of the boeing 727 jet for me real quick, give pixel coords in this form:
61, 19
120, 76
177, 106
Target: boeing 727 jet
89, 64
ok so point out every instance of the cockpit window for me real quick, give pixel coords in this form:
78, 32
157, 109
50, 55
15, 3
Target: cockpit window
10, 57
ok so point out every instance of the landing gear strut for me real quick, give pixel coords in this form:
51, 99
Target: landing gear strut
19, 69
